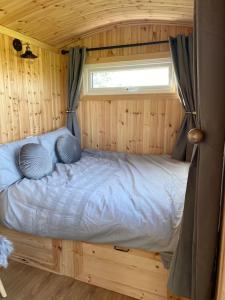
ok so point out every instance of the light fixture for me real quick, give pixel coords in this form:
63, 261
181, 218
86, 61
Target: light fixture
28, 53
17, 45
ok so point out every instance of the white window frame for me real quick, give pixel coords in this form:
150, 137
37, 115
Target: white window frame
89, 68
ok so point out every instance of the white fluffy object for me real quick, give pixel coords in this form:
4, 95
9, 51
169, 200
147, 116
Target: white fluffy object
6, 249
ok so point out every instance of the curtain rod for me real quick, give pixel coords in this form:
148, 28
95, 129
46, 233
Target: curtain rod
121, 46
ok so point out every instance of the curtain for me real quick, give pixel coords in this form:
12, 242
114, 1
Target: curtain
75, 70
192, 271
182, 55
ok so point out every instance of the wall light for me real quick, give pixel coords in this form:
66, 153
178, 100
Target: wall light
18, 46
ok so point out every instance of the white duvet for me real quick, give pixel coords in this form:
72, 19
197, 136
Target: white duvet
127, 200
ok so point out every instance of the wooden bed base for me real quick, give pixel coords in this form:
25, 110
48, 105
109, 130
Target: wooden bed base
136, 273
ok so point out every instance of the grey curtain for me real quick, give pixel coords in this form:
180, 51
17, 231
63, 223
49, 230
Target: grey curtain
182, 55
192, 271
75, 71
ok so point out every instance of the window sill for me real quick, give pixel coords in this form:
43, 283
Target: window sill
149, 96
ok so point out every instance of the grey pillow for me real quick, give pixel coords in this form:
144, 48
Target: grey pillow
68, 149
34, 161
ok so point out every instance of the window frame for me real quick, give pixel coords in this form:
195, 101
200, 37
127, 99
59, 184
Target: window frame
112, 66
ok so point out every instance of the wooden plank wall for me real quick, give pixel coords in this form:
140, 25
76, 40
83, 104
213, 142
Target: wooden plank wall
146, 123
32, 94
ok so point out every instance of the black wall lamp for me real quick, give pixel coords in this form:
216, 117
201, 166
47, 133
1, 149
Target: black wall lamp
18, 46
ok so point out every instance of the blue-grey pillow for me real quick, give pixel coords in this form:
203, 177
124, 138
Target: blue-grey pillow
48, 140
68, 149
9, 168
34, 161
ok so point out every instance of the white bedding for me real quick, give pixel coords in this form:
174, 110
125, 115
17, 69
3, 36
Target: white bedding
127, 200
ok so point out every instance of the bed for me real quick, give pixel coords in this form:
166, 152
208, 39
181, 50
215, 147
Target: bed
102, 220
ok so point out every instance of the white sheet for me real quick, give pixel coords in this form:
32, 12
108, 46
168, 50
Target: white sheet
127, 200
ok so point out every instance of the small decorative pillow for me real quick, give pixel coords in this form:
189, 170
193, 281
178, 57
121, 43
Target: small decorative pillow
34, 161
9, 167
48, 140
68, 149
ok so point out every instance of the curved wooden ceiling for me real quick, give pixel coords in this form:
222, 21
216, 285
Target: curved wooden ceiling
57, 21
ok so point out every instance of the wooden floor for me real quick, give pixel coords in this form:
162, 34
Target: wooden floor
25, 283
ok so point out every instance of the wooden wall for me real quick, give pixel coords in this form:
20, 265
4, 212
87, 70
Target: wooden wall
32, 94
146, 123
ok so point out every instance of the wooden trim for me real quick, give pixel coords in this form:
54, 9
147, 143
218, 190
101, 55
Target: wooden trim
137, 273
26, 39
153, 55
128, 97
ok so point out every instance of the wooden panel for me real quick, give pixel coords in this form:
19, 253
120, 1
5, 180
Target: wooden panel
136, 124
136, 273
34, 251
32, 94
116, 58
142, 123
57, 21
125, 34
140, 270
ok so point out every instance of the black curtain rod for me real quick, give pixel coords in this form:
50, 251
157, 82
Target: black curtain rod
121, 46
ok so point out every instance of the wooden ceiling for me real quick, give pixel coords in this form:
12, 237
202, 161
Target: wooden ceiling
58, 21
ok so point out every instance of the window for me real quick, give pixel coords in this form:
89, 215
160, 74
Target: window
145, 76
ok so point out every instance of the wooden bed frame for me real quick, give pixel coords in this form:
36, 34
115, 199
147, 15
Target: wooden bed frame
136, 273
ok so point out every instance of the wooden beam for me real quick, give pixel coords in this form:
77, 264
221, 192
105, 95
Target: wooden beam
26, 39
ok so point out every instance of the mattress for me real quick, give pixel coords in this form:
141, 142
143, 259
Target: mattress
134, 201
